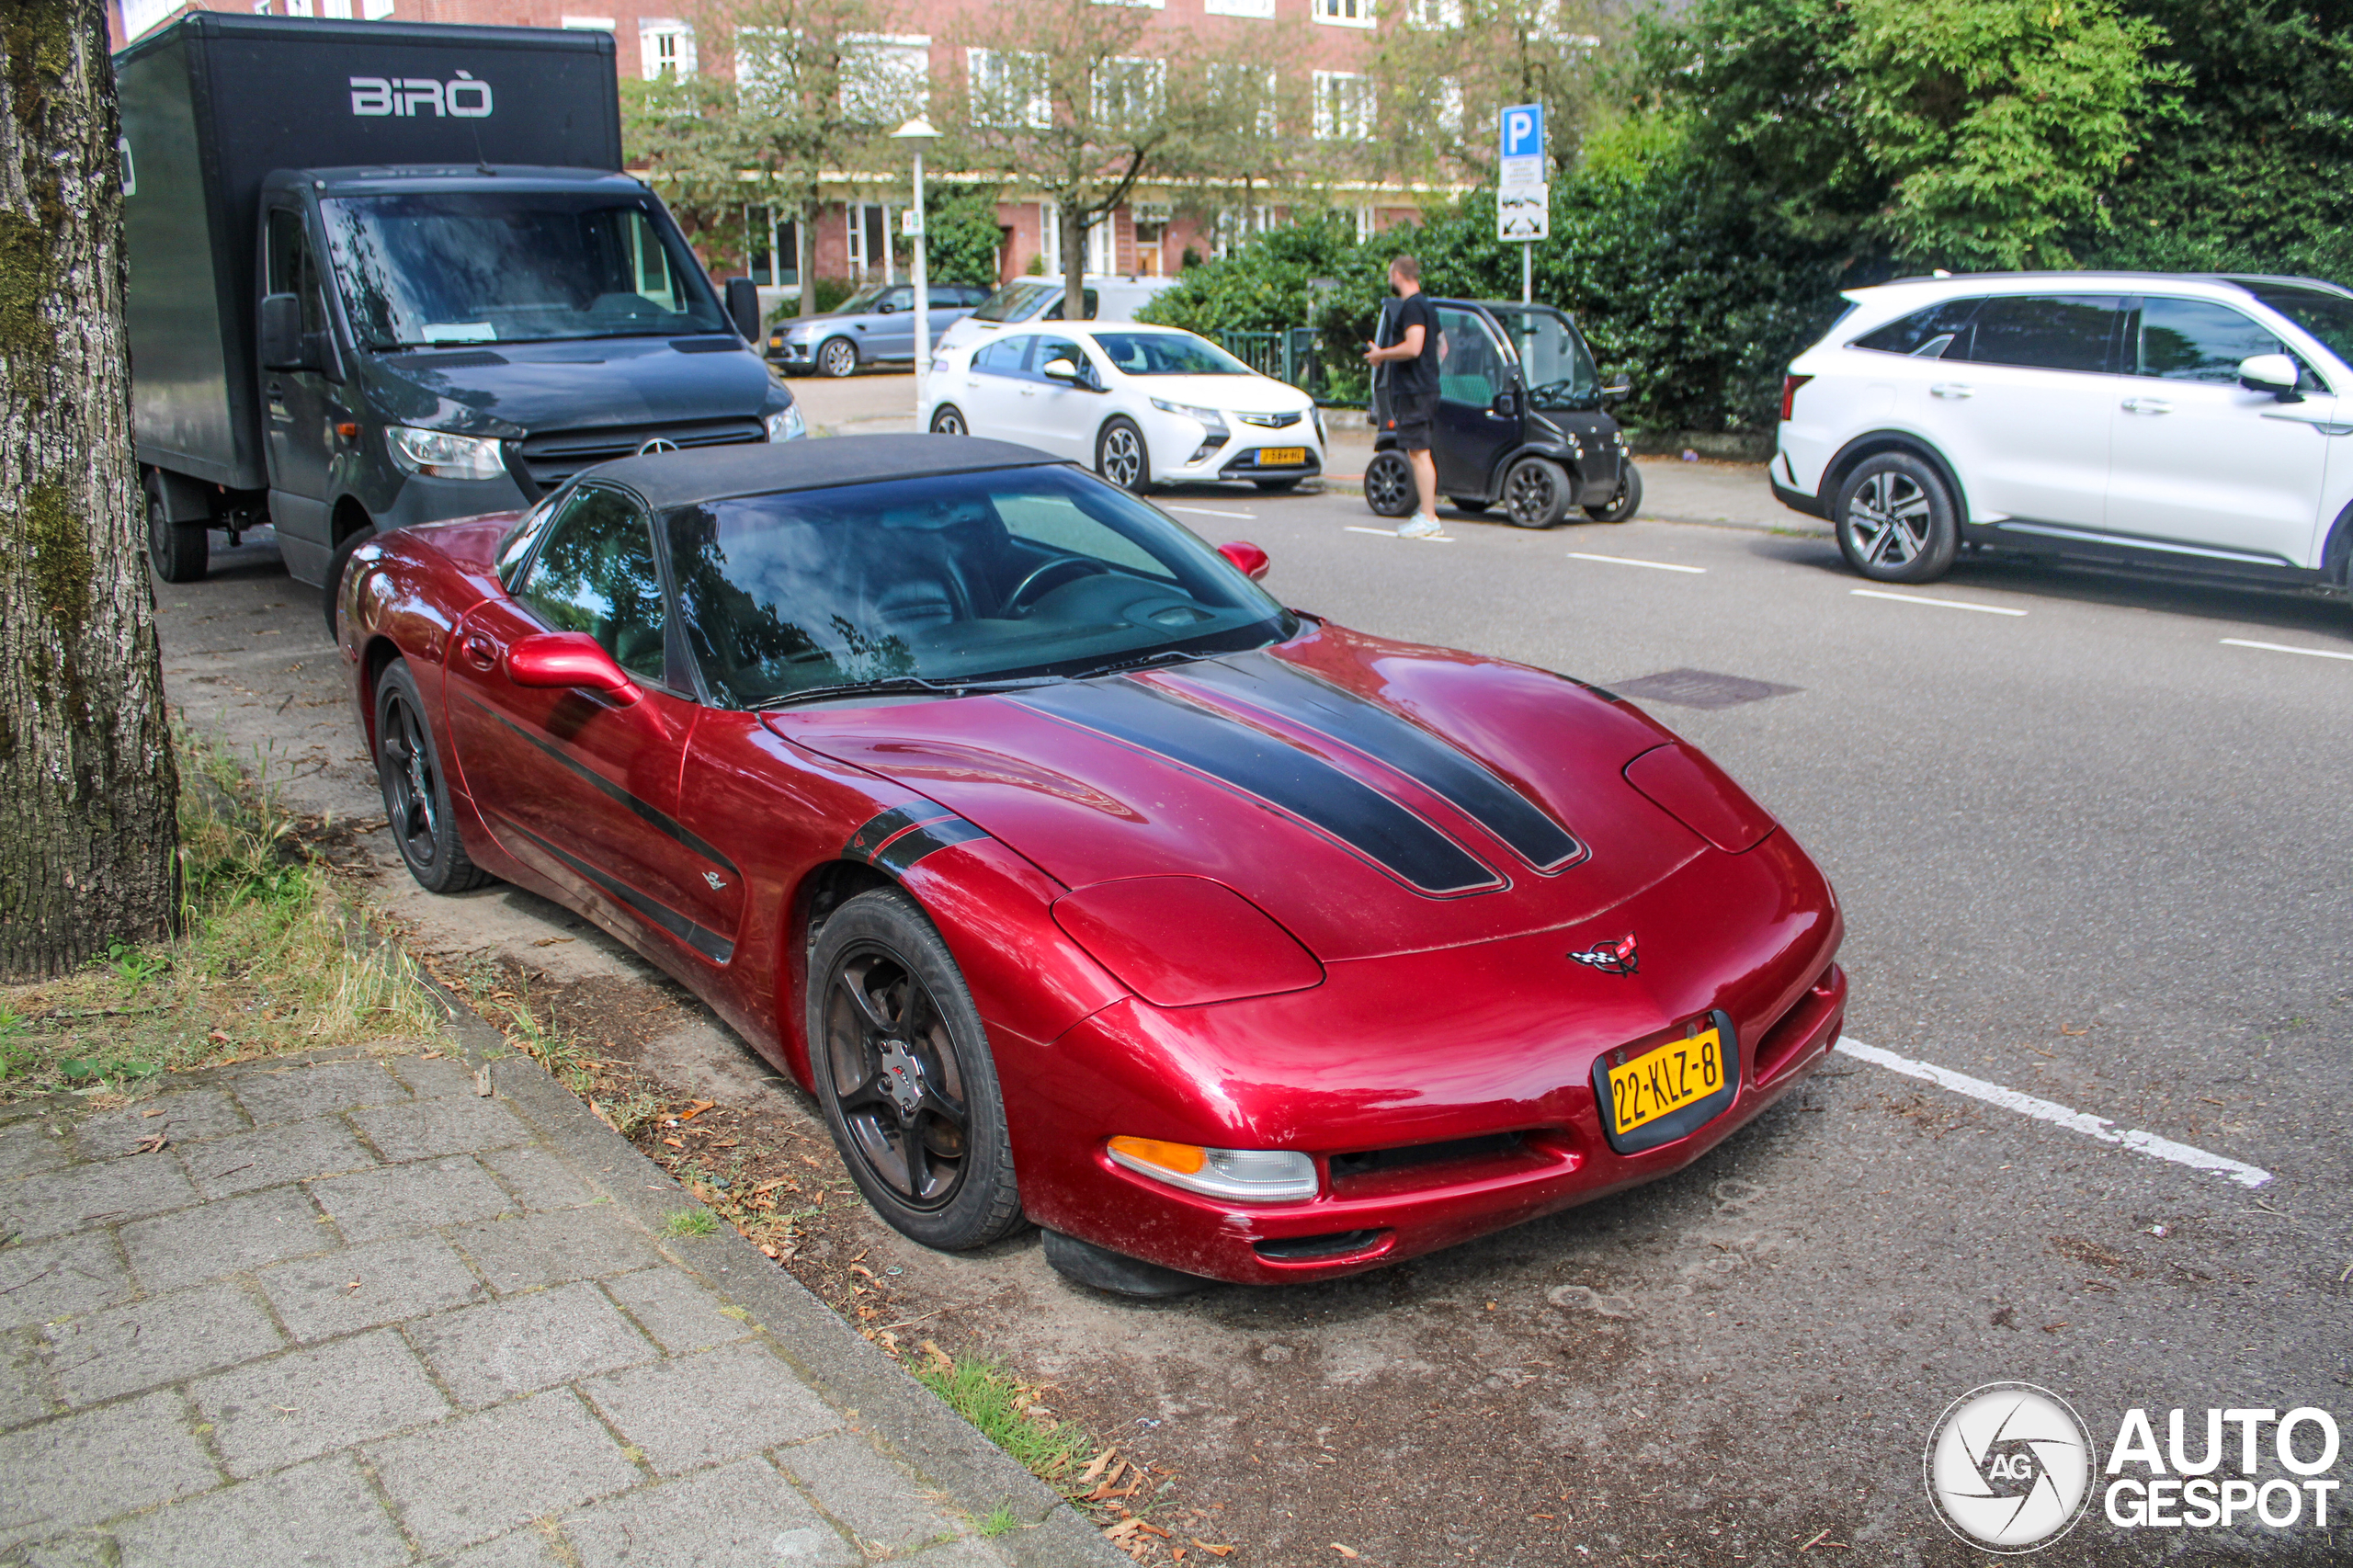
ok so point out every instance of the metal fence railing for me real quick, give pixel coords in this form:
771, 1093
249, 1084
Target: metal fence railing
1288, 355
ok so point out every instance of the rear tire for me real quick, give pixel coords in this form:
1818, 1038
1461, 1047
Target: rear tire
1389, 485
337, 565
416, 789
1896, 521
948, 420
837, 356
179, 551
1621, 507
1121, 457
1536, 494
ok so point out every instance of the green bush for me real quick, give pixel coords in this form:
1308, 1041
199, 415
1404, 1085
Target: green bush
962, 234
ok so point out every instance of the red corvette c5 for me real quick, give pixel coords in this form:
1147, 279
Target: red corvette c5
1079, 879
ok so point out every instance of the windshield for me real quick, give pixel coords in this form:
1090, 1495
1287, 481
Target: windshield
1553, 359
956, 579
450, 266
2328, 317
1167, 354
1011, 302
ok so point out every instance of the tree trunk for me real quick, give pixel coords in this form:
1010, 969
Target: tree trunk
1074, 225
804, 247
88, 831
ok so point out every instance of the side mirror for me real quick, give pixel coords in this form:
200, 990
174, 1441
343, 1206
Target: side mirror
283, 347
1617, 386
884, 307
1248, 559
2273, 374
569, 659
1059, 370
1506, 404
743, 308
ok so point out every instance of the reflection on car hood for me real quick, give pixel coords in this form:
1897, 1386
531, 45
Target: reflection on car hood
1247, 394
514, 389
1373, 797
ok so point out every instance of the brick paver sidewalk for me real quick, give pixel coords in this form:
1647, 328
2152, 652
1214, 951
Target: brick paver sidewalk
354, 1313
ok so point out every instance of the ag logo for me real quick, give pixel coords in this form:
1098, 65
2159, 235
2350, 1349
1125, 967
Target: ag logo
2009, 1468
656, 444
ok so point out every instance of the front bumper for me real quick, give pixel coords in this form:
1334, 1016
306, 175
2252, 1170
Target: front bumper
789, 353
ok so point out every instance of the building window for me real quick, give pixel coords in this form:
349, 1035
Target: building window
1344, 104
886, 77
771, 248
1129, 92
1434, 15
665, 46
1008, 90
1263, 8
1344, 13
1233, 227
870, 240
1237, 87
1450, 105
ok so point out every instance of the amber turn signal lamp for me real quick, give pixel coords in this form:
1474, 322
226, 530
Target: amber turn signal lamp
1186, 1159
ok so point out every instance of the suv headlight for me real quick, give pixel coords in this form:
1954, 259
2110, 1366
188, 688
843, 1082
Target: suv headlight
436, 454
788, 425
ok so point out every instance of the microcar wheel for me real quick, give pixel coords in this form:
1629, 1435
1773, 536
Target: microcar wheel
838, 356
1896, 521
948, 420
179, 551
416, 793
1627, 500
1389, 485
901, 1067
1536, 492
1121, 455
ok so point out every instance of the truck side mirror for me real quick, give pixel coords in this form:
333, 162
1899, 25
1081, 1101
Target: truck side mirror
283, 347
743, 307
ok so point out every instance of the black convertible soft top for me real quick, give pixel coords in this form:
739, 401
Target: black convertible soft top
712, 473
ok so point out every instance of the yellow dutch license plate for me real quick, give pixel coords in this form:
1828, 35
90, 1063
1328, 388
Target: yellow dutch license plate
1666, 1080
1281, 457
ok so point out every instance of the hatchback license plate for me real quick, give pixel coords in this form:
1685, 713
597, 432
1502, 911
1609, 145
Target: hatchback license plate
1679, 1073
1281, 457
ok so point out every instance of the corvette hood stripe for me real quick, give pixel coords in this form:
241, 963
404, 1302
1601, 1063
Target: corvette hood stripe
1309, 702
1255, 762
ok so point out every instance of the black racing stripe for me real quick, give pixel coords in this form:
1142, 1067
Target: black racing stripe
653, 815
701, 939
911, 846
878, 831
1257, 763
1315, 704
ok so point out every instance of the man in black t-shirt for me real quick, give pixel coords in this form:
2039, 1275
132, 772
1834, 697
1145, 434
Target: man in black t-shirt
1413, 389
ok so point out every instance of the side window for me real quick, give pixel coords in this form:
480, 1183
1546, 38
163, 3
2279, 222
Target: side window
290, 270
1470, 368
901, 299
2195, 340
596, 575
2048, 332
1004, 357
1925, 335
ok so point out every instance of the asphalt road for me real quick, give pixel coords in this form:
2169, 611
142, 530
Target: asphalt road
2092, 849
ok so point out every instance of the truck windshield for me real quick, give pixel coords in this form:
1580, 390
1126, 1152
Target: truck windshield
424, 268
1553, 358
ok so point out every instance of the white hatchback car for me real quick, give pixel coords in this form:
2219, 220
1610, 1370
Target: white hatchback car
2193, 421
1141, 406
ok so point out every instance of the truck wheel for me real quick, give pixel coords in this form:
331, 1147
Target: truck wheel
1389, 485
336, 564
176, 551
838, 356
1536, 492
1625, 503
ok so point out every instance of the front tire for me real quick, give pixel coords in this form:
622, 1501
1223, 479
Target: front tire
901, 1067
948, 420
838, 358
417, 790
1389, 485
179, 551
1536, 494
337, 565
1896, 520
1121, 455
1628, 500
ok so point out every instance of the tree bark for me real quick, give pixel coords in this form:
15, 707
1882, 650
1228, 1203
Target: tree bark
88, 830
804, 248
1073, 219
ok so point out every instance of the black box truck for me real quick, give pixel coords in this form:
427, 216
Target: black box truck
385, 272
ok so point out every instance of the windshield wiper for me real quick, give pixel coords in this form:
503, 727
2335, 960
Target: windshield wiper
1148, 661
906, 685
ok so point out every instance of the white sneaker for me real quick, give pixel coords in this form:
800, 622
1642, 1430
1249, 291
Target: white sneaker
1425, 527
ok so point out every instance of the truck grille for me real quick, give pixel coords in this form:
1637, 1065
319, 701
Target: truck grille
553, 456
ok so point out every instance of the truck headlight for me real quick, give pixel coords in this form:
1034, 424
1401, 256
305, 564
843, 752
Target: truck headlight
436, 454
788, 425
1243, 1176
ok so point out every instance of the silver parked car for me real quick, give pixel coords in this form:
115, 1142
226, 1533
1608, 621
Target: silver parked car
876, 326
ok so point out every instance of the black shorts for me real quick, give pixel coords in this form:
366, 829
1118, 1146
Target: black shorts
1411, 413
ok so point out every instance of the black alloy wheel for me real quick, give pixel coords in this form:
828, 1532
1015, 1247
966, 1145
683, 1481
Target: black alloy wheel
1896, 520
179, 551
1121, 455
1389, 485
1536, 494
838, 356
1624, 502
948, 420
903, 1070
416, 794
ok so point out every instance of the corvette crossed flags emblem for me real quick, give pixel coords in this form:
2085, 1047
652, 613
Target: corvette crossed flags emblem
1611, 957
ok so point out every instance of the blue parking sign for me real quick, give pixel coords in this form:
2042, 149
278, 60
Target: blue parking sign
1523, 132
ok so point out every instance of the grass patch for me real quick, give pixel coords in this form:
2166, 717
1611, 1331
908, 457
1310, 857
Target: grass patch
1002, 1520
1003, 1408
690, 1223
271, 957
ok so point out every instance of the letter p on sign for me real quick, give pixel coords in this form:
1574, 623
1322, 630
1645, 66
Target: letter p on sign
1523, 132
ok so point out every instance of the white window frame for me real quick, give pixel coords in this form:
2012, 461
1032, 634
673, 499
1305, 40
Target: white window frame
652, 32
1050, 236
1360, 113
892, 73
1450, 105
984, 72
1261, 10
1269, 85
1154, 74
1343, 13
589, 24
1434, 16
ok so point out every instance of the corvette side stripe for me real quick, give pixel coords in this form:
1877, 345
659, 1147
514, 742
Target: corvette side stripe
913, 845
905, 835
704, 940
867, 841
1313, 704
653, 815
1257, 763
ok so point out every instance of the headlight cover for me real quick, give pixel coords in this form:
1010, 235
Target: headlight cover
1241, 1176
788, 425
1211, 420
1182, 942
436, 454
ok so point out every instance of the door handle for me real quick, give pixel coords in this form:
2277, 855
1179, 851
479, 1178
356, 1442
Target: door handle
1951, 389
2147, 405
481, 651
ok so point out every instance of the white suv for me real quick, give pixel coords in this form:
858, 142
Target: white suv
2154, 418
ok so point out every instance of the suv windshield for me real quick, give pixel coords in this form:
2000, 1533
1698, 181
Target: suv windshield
1167, 354
1012, 302
424, 268
1553, 359
952, 580
2328, 317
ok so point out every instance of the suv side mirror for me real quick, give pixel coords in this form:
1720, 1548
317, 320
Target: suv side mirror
283, 345
743, 308
2273, 374
1617, 386
884, 307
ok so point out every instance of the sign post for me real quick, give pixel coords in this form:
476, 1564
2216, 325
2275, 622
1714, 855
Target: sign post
1523, 199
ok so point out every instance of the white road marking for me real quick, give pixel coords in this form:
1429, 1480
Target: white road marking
2097, 1126
1392, 533
1629, 561
1209, 512
2283, 647
1940, 604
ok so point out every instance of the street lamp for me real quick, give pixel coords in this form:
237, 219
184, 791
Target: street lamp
919, 134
